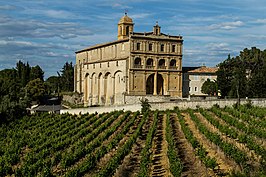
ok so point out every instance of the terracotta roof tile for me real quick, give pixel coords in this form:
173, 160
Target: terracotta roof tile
204, 69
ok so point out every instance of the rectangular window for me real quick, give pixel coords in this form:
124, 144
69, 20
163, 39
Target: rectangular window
196, 89
138, 46
173, 48
189, 89
162, 47
150, 47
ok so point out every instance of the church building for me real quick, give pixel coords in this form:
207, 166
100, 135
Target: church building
135, 65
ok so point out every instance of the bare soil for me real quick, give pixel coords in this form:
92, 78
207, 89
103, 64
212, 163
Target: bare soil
131, 164
160, 162
192, 165
250, 153
105, 159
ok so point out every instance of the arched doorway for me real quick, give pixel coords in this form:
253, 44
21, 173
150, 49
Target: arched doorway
108, 88
150, 84
160, 85
119, 88
94, 92
86, 87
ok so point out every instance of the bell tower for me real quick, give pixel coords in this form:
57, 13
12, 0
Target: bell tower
125, 27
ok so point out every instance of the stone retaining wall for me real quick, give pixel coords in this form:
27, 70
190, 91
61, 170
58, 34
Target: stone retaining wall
167, 105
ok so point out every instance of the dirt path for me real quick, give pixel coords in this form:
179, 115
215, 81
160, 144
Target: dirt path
160, 162
226, 165
131, 164
192, 164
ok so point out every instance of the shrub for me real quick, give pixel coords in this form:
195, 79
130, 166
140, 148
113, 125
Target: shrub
145, 105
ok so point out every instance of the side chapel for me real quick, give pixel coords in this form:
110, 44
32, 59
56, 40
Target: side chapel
135, 65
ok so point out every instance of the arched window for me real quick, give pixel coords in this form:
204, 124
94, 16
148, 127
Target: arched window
161, 64
150, 62
127, 30
120, 28
173, 62
137, 63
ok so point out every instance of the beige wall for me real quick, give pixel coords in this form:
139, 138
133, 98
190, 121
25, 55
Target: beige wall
101, 74
196, 81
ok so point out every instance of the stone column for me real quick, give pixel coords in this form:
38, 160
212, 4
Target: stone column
144, 82
155, 84
86, 89
167, 83
144, 62
113, 92
90, 91
180, 83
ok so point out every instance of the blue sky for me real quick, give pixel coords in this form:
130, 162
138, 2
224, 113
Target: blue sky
47, 33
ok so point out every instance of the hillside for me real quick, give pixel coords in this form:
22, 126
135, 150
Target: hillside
198, 142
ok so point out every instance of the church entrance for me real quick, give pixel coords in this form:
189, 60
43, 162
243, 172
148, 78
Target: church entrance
151, 85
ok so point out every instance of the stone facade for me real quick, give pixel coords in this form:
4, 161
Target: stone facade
137, 64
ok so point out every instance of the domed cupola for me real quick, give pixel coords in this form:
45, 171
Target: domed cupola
125, 27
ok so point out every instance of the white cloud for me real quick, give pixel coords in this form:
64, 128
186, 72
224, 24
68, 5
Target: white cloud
263, 21
226, 25
218, 46
140, 15
59, 14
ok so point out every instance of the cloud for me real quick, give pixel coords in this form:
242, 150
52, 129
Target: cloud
117, 5
226, 25
39, 29
261, 21
218, 47
7, 7
52, 13
140, 15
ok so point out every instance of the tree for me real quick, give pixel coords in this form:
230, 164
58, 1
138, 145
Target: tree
224, 76
53, 83
243, 75
67, 77
36, 72
209, 87
35, 90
